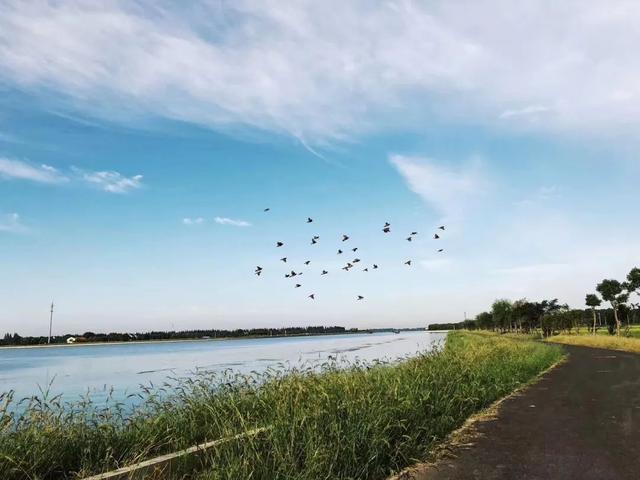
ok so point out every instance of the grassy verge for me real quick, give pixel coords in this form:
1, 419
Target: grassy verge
360, 423
626, 344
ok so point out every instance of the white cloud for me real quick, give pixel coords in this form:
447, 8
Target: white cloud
193, 221
11, 223
18, 170
526, 111
231, 221
445, 189
324, 70
110, 181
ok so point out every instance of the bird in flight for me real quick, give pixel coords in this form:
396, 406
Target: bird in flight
387, 224
386, 229
365, 270
409, 239
258, 271
441, 227
356, 260
345, 238
355, 249
293, 274
279, 244
408, 262
312, 296
309, 219
324, 272
314, 241
436, 236
441, 250
298, 285
307, 262
360, 297
414, 233
339, 251
283, 259
267, 209
375, 266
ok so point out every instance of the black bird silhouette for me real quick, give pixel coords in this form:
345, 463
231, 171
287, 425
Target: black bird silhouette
356, 260
354, 249
436, 236
409, 239
258, 267
316, 237
441, 250
309, 219
386, 229
313, 241
307, 262
286, 275
386, 224
345, 238
408, 262
339, 251
312, 296
414, 233
365, 270
293, 274
441, 227
375, 266
324, 272
298, 285
283, 259
360, 297
258, 272
279, 244
267, 209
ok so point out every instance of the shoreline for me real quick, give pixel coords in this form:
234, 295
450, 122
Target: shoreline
183, 340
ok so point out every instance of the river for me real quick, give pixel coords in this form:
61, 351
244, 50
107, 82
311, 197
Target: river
73, 371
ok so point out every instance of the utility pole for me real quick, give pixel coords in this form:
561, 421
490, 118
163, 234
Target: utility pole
50, 322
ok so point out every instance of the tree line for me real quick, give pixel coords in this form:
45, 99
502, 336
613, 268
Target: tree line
551, 317
16, 339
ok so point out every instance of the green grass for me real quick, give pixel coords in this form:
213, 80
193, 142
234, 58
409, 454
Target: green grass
360, 423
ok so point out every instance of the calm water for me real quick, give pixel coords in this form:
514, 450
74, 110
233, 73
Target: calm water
72, 371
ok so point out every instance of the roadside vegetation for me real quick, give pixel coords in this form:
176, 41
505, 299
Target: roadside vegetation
547, 318
611, 342
365, 421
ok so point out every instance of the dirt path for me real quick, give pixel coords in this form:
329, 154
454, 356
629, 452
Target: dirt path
581, 421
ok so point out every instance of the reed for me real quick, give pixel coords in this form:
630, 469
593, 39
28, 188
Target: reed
359, 422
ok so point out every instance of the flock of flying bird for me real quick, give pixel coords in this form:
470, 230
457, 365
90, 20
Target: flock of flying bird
314, 240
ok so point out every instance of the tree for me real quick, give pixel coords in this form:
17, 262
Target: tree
612, 291
592, 300
633, 280
502, 313
484, 320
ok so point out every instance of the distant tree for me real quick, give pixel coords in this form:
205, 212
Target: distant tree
502, 313
612, 291
484, 321
592, 301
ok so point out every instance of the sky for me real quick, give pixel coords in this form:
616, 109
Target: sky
140, 143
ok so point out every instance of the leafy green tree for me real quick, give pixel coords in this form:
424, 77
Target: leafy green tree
612, 291
502, 312
592, 300
484, 321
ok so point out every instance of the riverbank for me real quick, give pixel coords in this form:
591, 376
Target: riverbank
363, 422
579, 422
182, 340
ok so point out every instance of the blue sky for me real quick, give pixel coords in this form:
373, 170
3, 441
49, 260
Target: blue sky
140, 144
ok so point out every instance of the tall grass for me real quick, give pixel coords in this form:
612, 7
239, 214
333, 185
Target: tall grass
360, 423
611, 342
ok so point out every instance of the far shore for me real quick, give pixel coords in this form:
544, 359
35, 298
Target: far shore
182, 340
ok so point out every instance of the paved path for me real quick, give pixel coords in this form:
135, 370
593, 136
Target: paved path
581, 421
